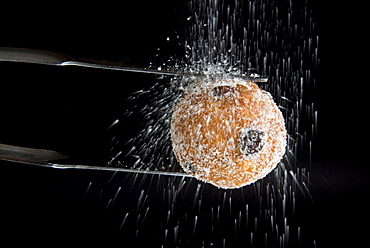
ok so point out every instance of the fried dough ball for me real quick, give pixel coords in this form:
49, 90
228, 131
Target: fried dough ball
227, 132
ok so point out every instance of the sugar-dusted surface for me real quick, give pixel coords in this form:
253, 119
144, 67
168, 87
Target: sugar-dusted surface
208, 124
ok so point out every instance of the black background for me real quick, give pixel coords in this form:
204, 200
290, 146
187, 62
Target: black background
69, 109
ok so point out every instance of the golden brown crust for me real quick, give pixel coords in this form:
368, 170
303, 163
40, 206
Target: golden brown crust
228, 133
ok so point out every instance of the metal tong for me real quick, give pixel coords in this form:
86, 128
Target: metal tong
53, 159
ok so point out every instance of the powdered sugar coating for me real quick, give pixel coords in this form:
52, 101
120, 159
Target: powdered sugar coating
209, 123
